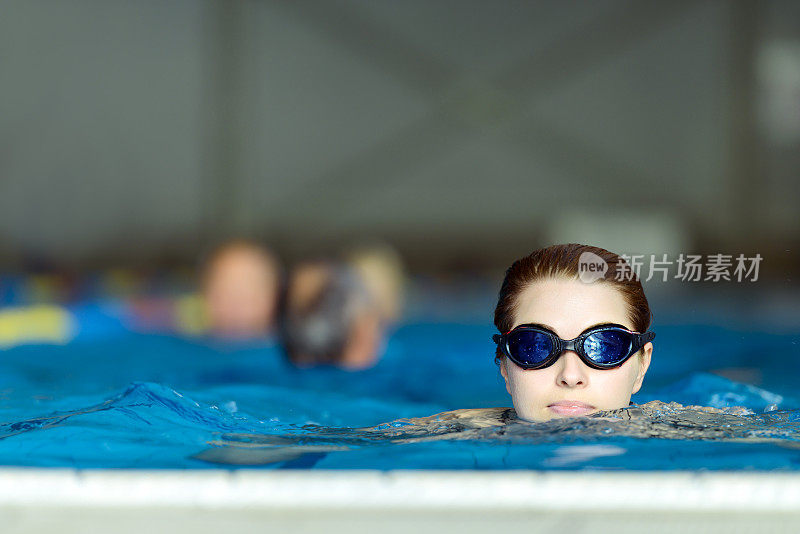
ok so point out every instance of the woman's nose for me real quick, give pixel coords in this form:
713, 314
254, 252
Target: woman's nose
572, 371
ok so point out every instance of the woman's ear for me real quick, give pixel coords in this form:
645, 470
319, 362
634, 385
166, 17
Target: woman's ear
644, 364
504, 372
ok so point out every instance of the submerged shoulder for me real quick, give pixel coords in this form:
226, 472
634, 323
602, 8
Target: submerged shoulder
469, 418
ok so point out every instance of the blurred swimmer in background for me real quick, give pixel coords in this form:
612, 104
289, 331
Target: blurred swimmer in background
336, 313
241, 289
381, 269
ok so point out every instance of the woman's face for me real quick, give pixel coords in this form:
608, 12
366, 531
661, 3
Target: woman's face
568, 307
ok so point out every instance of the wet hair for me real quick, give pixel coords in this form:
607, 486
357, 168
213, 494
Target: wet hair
562, 261
315, 330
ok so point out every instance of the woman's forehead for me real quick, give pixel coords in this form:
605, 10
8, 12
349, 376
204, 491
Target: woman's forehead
570, 306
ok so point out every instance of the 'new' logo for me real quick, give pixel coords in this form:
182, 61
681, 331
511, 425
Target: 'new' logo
591, 267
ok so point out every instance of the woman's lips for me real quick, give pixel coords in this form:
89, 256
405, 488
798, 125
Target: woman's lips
571, 408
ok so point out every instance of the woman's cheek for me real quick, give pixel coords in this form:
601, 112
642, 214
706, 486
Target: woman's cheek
528, 387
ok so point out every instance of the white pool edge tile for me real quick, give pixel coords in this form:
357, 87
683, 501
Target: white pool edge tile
412, 490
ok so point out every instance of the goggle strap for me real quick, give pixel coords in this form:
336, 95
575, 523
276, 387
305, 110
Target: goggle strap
642, 339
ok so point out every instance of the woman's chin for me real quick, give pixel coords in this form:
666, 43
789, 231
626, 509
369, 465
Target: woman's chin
549, 413
570, 411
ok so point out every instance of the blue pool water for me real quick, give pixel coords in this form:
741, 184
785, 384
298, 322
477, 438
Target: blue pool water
124, 400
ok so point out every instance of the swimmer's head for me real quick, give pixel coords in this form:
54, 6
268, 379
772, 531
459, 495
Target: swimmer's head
241, 284
549, 288
329, 317
381, 269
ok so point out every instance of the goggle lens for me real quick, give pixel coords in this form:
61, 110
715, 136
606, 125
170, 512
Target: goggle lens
607, 347
530, 347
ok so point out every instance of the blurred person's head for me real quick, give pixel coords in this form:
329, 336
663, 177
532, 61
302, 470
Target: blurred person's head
329, 317
241, 285
381, 269
546, 291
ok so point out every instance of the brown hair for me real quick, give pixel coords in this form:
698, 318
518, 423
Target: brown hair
564, 261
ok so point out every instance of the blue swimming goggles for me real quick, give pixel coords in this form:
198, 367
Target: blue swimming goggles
601, 347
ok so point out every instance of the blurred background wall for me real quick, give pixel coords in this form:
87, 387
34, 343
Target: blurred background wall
465, 133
